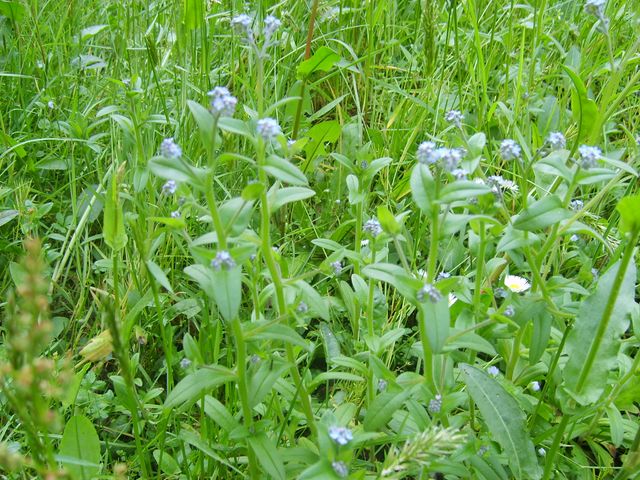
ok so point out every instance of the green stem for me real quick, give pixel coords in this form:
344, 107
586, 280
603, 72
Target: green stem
633, 459
426, 352
403, 257
210, 193
241, 372
550, 375
433, 246
479, 269
549, 464
358, 236
274, 272
125, 364
515, 354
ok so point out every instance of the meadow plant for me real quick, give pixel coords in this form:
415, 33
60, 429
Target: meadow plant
268, 253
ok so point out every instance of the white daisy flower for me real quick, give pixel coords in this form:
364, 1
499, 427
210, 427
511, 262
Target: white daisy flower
516, 284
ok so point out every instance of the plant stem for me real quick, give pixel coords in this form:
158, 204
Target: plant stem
433, 246
210, 193
549, 464
479, 269
426, 351
307, 55
241, 367
267, 253
125, 364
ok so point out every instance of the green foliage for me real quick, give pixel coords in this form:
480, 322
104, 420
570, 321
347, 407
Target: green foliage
80, 448
505, 419
300, 286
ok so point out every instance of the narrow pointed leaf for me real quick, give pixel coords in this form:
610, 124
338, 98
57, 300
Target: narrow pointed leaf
80, 448
505, 420
113, 227
582, 338
191, 387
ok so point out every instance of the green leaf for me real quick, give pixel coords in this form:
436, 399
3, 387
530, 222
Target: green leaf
582, 338
113, 227
383, 407
263, 380
167, 463
541, 214
388, 221
177, 169
235, 215
285, 171
555, 164
234, 125
330, 342
223, 286
314, 300
629, 210
374, 167
616, 426
423, 188
393, 275
436, 322
195, 440
169, 221
289, 195
14, 11
333, 376
584, 109
217, 412
191, 387
505, 419
353, 187
319, 134
260, 331
267, 454
252, 191
594, 175
204, 121
7, 215
91, 31
159, 275
80, 447
476, 144
192, 13
321, 61
541, 333
462, 190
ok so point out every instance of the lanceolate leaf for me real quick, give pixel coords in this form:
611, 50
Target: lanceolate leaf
436, 322
505, 419
80, 448
268, 456
113, 228
223, 286
541, 214
423, 187
191, 387
383, 407
582, 338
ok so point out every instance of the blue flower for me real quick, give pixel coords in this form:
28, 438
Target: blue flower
223, 260
510, 150
268, 128
170, 149
340, 435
